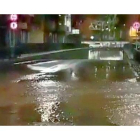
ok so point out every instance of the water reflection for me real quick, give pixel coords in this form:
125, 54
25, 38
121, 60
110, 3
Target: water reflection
125, 109
48, 97
56, 97
105, 55
75, 92
47, 100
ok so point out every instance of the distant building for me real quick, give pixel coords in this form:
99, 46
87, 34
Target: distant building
3, 31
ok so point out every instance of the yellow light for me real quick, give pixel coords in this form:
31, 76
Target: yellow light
132, 32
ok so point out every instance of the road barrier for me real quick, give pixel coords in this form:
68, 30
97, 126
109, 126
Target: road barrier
106, 43
29, 48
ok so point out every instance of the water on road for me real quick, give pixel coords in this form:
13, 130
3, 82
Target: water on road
70, 92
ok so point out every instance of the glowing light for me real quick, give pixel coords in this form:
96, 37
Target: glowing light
123, 24
59, 15
68, 23
114, 27
60, 23
75, 31
136, 25
92, 37
132, 32
106, 28
13, 25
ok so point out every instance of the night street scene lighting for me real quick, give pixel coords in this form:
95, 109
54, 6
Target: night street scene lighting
69, 69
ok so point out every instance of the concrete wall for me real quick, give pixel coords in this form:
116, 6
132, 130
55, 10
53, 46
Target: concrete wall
137, 55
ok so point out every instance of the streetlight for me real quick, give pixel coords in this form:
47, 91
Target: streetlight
92, 37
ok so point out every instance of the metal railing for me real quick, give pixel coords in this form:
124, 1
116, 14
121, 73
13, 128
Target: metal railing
114, 44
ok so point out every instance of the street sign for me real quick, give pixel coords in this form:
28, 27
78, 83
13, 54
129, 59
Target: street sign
13, 17
75, 31
13, 25
13, 21
136, 25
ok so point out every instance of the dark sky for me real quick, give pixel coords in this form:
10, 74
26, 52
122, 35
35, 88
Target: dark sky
122, 18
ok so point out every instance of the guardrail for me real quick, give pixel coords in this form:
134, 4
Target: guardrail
106, 43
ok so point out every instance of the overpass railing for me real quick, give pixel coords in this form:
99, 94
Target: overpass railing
119, 44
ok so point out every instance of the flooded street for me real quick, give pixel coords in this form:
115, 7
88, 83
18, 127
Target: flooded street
70, 92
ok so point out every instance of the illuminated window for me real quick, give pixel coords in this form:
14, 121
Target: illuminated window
132, 32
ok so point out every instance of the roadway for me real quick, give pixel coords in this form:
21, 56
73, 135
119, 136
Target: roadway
70, 89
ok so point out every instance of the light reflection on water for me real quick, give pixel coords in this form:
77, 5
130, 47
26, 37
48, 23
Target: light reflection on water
50, 95
101, 94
